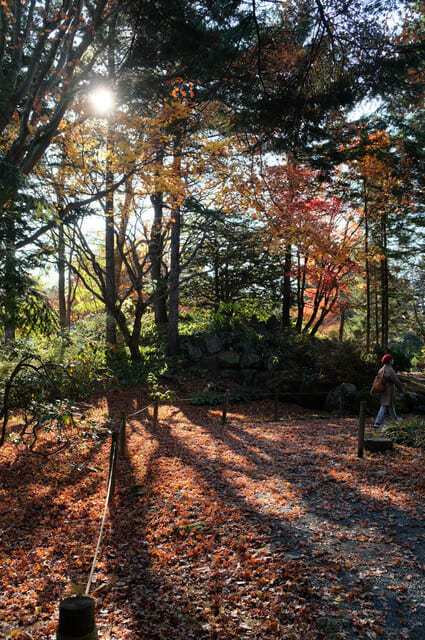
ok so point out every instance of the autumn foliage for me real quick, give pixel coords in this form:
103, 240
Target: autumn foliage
257, 529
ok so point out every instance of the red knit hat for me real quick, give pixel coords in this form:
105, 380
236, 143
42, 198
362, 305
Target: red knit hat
386, 359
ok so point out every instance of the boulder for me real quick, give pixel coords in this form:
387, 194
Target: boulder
212, 344
346, 390
233, 374
210, 363
244, 346
251, 361
407, 402
194, 353
228, 360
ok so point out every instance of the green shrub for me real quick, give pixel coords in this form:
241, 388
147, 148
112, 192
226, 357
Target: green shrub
410, 432
339, 362
206, 398
418, 359
402, 358
195, 321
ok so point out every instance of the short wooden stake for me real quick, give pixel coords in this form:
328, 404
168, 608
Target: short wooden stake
155, 415
276, 405
225, 407
76, 619
113, 461
123, 441
360, 446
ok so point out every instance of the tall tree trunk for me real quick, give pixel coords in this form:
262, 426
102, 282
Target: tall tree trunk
384, 284
286, 288
155, 255
110, 290
123, 224
301, 282
216, 283
11, 282
61, 279
342, 323
377, 331
174, 284
174, 276
110, 294
72, 283
70, 299
131, 339
326, 309
367, 266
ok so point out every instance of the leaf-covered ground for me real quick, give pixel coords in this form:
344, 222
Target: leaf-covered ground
258, 529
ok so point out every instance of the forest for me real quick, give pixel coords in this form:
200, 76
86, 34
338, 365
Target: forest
212, 230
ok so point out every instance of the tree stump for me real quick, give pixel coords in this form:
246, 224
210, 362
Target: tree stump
377, 445
76, 619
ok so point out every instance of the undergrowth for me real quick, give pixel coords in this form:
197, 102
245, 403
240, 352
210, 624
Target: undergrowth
410, 432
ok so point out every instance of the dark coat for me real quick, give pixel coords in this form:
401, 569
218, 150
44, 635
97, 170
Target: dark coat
392, 381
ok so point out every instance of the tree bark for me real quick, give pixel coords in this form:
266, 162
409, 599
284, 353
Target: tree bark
174, 284
301, 283
377, 332
110, 295
367, 267
286, 288
11, 283
155, 255
174, 275
342, 324
61, 280
384, 284
124, 218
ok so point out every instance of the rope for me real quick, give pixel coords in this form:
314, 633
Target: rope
103, 522
131, 415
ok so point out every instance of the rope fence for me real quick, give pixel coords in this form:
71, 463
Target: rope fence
276, 395
131, 415
119, 443
77, 614
114, 450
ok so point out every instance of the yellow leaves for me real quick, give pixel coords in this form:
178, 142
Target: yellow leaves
77, 588
31, 128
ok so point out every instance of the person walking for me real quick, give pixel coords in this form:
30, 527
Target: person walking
390, 381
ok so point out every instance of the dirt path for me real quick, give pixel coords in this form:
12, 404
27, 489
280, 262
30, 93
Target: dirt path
255, 530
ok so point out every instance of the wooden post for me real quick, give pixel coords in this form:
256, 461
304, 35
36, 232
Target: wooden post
341, 403
225, 407
76, 619
360, 446
113, 461
155, 415
123, 441
276, 405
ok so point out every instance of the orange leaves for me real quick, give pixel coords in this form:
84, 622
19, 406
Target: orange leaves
257, 529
